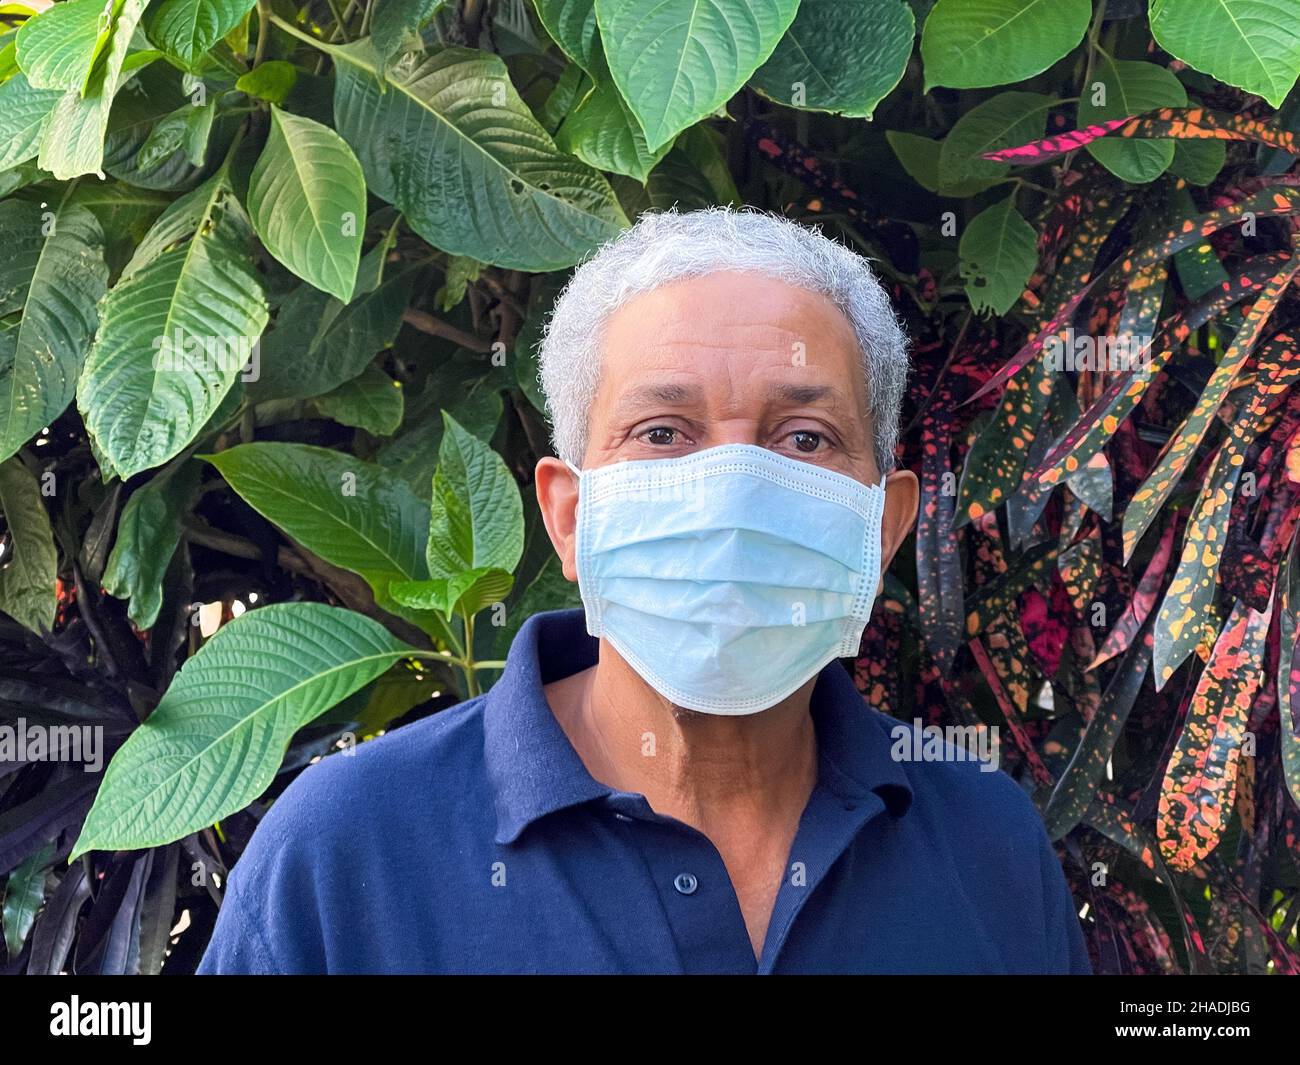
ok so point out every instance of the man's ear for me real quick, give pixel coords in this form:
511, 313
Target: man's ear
557, 496
902, 495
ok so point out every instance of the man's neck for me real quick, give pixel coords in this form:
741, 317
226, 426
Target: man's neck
706, 770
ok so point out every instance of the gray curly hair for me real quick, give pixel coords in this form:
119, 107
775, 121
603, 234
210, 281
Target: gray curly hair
669, 246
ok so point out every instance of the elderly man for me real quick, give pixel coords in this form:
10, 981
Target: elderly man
679, 778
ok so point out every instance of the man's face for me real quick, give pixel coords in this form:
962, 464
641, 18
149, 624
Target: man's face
729, 358
732, 358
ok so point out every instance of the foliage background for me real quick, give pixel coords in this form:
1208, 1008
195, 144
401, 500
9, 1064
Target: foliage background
389, 193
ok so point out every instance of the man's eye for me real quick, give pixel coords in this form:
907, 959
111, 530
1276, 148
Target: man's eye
806, 440
662, 435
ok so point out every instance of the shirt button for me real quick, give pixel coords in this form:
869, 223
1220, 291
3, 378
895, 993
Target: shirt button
686, 883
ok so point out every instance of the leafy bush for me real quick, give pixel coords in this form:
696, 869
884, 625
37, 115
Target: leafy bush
271, 283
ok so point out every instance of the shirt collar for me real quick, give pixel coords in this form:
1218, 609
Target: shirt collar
534, 770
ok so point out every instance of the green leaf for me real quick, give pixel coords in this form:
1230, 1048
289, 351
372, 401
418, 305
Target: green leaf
30, 567
56, 280
1253, 44
477, 517
602, 133
57, 48
371, 401
461, 271
395, 25
843, 56
186, 129
186, 29
1130, 88
271, 80
999, 250
214, 742
972, 44
1009, 119
1198, 161
336, 340
919, 156
307, 199
147, 534
465, 593
175, 332
679, 61
24, 895
351, 513
449, 142
572, 25
23, 111
72, 141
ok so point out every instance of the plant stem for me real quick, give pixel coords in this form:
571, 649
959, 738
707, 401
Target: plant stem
340, 27
263, 31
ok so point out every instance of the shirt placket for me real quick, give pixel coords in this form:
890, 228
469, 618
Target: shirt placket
694, 890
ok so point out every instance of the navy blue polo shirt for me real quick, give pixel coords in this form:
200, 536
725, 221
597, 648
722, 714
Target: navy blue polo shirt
475, 841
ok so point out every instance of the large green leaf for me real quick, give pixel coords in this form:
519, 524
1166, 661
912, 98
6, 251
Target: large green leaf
1008, 119
1254, 44
186, 29
147, 534
56, 280
23, 111
215, 741
27, 577
572, 25
602, 132
840, 55
678, 61
1122, 88
395, 24
971, 44
477, 517
352, 513
999, 250
371, 401
175, 331
72, 142
57, 48
450, 144
307, 199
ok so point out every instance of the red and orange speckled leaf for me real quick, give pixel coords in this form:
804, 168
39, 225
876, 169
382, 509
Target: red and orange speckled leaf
1122, 395
1139, 607
1199, 787
1288, 669
1270, 202
1151, 496
995, 463
1077, 787
1015, 725
1080, 569
1008, 651
1167, 123
938, 561
1191, 592
1118, 826
999, 597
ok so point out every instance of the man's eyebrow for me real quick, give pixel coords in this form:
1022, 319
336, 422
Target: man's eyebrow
648, 395
804, 394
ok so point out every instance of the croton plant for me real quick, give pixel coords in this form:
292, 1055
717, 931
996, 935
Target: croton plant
271, 277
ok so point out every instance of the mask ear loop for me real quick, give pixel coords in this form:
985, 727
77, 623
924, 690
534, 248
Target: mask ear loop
576, 472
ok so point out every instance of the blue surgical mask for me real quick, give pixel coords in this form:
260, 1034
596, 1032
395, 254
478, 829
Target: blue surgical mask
728, 577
